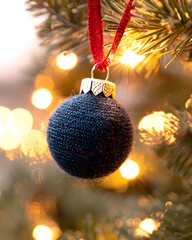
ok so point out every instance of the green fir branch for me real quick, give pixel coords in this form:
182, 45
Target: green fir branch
165, 26
176, 220
178, 156
65, 25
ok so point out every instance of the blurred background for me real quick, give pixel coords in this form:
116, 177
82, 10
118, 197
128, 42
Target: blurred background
40, 201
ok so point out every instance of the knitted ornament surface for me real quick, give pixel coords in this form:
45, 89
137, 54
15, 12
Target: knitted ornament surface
90, 136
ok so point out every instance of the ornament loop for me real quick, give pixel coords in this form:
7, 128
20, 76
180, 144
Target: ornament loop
93, 69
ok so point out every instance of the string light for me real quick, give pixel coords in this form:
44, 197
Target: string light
42, 98
115, 181
13, 125
66, 60
188, 104
131, 58
56, 231
34, 144
4, 116
34, 210
147, 227
10, 138
129, 169
42, 232
158, 127
22, 120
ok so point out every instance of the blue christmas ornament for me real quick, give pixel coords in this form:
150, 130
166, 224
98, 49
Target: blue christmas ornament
90, 135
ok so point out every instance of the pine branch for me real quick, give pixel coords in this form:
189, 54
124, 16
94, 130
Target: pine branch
65, 26
161, 26
176, 220
178, 156
62, 19
164, 26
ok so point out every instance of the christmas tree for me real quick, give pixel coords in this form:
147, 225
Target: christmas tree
149, 195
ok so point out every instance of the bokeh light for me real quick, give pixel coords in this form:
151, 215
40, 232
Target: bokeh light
37, 174
56, 231
148, 226
4, 116
188, 104
44, 81
115, 181
42, 232
22, 120
42, 98
129, 169
66, 60
35, 211
131, 58
34, 144
13, 125
158, 127
10, 138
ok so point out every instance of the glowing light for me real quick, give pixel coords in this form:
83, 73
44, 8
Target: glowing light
131, 59
129, 169
13, 125
56, 232
22, 120
42, 98
34, 210
158, 127
34, 144
188, 104
44, 81
42, 232
115, 181
10, 138
4, 116
148, 225
37, 174
66, 61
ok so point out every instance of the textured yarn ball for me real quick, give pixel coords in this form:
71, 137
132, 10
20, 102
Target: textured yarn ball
90, 136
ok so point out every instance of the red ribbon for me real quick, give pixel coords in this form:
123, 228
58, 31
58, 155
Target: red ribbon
95, 33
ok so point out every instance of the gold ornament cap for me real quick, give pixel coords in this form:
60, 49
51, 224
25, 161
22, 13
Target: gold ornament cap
98, 86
